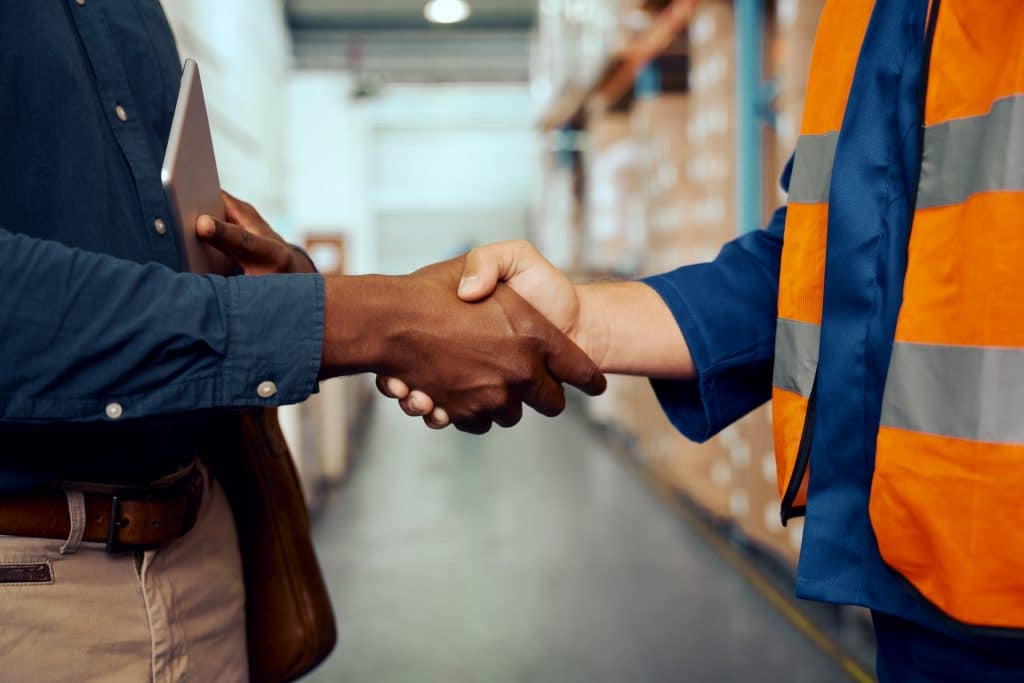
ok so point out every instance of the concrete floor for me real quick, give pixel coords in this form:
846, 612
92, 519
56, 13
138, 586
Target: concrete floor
532, 554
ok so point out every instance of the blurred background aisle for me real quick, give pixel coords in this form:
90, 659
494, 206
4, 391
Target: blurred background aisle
535, 554
623, 137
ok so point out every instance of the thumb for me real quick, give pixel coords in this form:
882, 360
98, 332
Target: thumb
485, 267
239, 244
206, 227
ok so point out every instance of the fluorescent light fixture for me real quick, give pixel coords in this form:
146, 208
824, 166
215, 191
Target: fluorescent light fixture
446, 11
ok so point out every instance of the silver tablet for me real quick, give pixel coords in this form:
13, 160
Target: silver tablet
189, 175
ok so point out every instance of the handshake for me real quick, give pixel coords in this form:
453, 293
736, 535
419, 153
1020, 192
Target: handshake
472, 348
464, 342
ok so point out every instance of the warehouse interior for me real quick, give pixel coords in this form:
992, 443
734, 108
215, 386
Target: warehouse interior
624, 138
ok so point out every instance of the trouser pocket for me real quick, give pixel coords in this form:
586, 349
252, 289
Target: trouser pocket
71, 617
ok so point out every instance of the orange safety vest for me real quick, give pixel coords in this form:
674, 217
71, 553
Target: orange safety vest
947, 496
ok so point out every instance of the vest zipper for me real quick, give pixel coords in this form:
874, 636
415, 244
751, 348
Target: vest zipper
803, 459
929, 39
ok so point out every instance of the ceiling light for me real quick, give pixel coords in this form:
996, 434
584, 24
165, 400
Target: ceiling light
446, 11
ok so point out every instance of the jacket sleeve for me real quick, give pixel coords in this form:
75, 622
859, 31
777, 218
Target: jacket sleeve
726, 310
81, 331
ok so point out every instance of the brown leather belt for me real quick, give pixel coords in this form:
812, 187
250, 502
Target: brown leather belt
129, 520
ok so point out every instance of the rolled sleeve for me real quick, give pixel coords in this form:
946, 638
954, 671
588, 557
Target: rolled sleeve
88, 337
726, 311
275, 335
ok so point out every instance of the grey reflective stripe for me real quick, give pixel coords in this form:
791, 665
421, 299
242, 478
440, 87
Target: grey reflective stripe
796, 355
957, 391
812, 168
977, 154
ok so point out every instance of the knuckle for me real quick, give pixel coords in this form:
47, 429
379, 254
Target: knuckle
523, 373
531, 332
499, 397
281, 260
525, 248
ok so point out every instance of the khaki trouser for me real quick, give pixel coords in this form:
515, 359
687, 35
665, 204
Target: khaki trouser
172, 614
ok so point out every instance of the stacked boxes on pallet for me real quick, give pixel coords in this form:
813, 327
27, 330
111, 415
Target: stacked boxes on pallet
659, 191
576, 38
613, 205
687, 144
556, 214
659, 124
712, 126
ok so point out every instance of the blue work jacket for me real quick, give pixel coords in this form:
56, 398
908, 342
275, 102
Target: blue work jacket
727, 311
111, 360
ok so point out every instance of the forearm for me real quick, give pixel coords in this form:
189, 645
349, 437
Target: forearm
82, 331
628, 329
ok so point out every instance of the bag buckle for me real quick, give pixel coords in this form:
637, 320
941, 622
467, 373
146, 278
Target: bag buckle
113, 543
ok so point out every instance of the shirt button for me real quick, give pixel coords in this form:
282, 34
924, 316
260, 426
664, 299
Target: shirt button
160, 226
266, 389
114, 410
122, 115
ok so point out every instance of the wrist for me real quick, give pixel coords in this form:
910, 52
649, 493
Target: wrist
301, 261
591, 330
358, 314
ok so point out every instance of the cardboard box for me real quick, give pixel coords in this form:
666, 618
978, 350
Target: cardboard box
555, 228
613, 210
800, 16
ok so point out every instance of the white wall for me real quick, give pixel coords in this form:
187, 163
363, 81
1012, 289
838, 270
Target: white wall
243, 49
452, 166
413, 175
325, 139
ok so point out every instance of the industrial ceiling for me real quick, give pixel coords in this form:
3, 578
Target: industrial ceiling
391, 40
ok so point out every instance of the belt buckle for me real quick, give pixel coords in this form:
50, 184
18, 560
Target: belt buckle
113, 544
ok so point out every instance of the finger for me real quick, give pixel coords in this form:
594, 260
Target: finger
399, 388
235, 209
382, 386
239, 244
417, 404
545, 395
421, 402
392, 387
568, 363
438, 419
477, 426
485, 267
407, 409
511, 416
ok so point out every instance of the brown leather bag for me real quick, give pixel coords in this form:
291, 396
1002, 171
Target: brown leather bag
290, 622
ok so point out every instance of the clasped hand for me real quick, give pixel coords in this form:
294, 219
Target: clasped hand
483, 360
487, 274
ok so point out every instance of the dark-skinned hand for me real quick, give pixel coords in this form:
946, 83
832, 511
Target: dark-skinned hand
250, 242
481, 360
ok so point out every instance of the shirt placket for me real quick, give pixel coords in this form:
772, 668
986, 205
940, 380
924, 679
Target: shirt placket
125, 121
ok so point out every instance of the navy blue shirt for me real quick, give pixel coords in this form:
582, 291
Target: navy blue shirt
111, 358
727, 311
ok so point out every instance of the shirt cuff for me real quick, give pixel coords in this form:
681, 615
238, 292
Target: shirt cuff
275, 339
732, 361
687, 403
